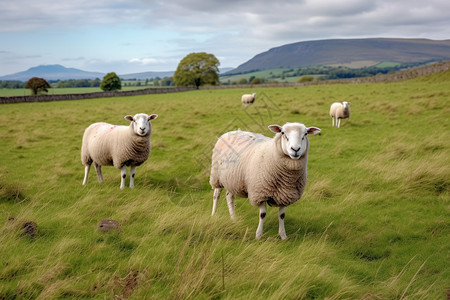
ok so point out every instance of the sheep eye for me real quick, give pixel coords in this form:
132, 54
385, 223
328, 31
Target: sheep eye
282, 132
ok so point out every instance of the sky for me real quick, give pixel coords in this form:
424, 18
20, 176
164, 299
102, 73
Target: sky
132, 36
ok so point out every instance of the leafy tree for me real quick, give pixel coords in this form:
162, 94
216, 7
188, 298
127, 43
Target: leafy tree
37, 85
111, 82
197, 69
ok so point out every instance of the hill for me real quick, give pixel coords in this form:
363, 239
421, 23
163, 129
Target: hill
52, 72
347, 51
59, 72
145, 75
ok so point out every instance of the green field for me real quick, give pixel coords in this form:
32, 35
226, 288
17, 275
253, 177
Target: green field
373, 222
62, 91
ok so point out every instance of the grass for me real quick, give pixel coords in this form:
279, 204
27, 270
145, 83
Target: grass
373, 222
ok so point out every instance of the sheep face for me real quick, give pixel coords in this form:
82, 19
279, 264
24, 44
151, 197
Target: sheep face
141, 123
294, 140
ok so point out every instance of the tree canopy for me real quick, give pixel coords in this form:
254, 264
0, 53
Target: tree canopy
197, 69
37, 85
111, 82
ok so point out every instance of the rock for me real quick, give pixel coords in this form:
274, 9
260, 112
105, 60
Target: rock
107, 225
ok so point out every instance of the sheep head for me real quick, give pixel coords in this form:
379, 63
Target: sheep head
294, 140
141, 123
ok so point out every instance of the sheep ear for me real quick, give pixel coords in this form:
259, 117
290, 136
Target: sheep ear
129, 118
313, 130
275, 128
151, 117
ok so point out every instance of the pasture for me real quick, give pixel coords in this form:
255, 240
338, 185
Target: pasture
62, 91
373, 222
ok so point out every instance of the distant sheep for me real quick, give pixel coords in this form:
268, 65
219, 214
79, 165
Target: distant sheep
262, 169
119, 146
248, 99
339, 111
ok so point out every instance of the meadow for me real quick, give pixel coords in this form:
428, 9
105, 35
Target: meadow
62, 91
373, 222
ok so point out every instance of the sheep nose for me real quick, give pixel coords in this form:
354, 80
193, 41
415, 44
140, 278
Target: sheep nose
141, 128
296, 150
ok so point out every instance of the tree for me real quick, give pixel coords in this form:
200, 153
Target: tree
37, 85
197, 69
242, 81
256, 80
111, 82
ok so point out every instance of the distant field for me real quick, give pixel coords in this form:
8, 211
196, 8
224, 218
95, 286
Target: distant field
286, 74
59, 91
374, 221
387, 64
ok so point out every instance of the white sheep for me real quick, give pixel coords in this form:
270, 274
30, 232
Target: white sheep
248, 99
119, 146
339, 111
262, 169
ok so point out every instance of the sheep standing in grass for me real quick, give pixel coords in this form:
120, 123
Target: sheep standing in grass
248, 99
262, 169
339, 111
119, 146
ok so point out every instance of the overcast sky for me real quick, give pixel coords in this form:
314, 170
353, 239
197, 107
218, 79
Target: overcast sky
129, 36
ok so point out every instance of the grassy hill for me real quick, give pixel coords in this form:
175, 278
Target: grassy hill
347, 52
373, 222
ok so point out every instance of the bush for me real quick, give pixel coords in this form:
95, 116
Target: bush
256, 81
306, 78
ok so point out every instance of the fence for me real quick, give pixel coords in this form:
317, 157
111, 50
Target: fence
45, 98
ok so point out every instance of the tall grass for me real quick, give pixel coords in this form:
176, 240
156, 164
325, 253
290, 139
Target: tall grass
373, 222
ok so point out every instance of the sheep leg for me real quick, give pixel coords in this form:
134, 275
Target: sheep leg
216, 197
281, 230
339, 122
98, 168
262, 216
86, 174
230, 202
123, 175
132, 172
332, 121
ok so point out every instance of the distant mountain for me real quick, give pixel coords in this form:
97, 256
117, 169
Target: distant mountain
52, 72
58, 72
145, 75
347, 51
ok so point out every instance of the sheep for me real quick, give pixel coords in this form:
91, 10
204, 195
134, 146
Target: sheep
248, 99
339, 111
119, 146
262, 169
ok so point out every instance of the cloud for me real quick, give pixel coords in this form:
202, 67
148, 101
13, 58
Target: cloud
146, 61
142, 34
79, 58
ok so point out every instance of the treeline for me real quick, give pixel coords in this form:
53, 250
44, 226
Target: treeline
73, 83
328, 73
12, 84
76, 83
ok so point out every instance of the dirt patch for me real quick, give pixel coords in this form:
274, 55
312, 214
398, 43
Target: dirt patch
127, 284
